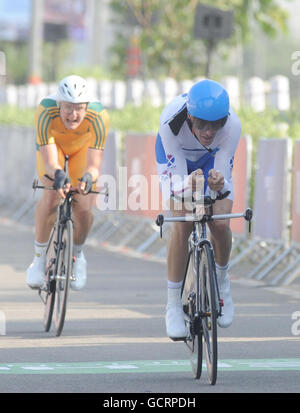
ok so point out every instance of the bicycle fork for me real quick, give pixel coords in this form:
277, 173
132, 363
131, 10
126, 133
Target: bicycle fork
196, 313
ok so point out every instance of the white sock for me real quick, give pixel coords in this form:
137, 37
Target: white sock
40, 249
172, 284
222, 270
77, 249
225, 267
174, 292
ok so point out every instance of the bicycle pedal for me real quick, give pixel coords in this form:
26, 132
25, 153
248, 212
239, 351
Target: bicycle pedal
178, 338
34, 288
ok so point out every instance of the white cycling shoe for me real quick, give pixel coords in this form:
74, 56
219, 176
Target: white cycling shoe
36, 273
175, 324
228, 308
79, 271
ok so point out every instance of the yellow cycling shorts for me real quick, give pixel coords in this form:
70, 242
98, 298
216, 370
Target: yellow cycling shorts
77, 163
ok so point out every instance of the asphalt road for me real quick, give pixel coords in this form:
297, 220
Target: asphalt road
114, 336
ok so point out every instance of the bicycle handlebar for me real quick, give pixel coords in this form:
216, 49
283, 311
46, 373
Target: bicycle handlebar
247, 215
72, 191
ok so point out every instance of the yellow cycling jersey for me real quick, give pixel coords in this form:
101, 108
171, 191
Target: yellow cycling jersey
50, 129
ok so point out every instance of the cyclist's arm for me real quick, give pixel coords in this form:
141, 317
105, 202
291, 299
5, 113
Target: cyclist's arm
54, 170
99, 120
171, 166
45, 141
50, 157
93, 164
224, 157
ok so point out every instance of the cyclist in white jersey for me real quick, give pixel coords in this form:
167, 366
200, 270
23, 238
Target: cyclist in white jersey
197, 139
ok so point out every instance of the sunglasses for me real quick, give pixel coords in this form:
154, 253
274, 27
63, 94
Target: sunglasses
201, 124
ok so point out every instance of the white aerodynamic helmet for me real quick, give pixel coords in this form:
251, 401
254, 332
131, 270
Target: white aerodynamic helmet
73, 89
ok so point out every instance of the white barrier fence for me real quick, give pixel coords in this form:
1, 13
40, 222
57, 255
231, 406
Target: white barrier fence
256, 92
274, 246
272, 249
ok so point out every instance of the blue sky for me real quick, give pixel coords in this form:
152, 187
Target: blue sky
16, 10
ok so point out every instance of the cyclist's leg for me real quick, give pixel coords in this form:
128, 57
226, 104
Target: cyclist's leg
45, 212
44, 220
177, 257
178, 245
176, 262
221, 238
220, 231
82, 208
82, 217
46, 207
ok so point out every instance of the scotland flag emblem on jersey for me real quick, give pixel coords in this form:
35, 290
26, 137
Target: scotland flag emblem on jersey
170, 160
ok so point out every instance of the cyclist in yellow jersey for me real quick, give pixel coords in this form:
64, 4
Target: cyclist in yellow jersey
69, 123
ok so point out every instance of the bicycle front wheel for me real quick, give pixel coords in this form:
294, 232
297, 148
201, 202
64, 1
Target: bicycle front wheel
48, 294
209, 311
190, 296
63, 275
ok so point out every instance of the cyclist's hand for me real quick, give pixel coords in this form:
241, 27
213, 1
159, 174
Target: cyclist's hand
215, 180
85, 184
196, 181
61, 183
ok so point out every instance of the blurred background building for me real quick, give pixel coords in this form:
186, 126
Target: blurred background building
80, 31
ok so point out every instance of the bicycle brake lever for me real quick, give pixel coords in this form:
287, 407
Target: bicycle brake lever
248, 217
35, 184
223, 196
159, 223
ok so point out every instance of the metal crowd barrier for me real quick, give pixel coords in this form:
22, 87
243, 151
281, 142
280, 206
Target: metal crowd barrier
272, 250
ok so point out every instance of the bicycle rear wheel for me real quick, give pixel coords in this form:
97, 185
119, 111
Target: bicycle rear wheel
210, 311
48, 295
189, 301
63, 275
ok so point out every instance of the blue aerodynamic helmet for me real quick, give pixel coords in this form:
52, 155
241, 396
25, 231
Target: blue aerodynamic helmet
208, 100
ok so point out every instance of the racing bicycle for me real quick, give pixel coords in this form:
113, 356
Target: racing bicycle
201, 300
59, 259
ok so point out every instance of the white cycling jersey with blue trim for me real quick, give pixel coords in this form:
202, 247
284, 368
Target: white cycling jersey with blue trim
178, 151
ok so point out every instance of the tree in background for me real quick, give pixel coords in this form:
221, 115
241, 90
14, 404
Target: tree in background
166, 32
16, 58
